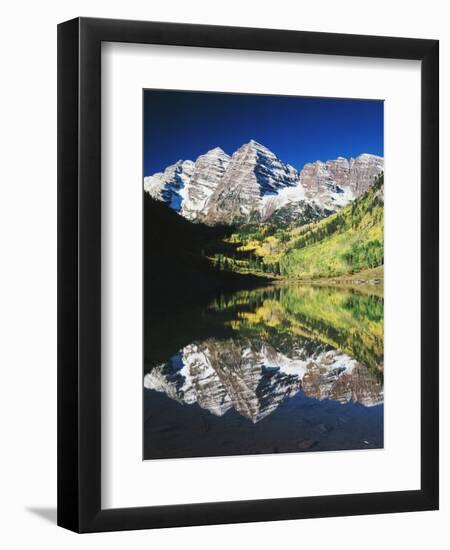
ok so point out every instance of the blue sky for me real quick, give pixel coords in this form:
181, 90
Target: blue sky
183, 125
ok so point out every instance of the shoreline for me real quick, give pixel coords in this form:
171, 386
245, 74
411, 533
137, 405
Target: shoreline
368, 280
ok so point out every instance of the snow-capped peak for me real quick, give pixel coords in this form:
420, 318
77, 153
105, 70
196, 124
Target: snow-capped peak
217, 151
217, 188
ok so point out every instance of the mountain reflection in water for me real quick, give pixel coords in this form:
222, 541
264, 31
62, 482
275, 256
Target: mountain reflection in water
303, 344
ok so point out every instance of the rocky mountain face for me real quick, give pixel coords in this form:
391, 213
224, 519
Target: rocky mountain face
254, 172
254, 378
209, 170
255, 184
340, 180
170, 186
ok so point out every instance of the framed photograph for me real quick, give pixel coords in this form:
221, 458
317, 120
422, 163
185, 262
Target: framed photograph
247, 275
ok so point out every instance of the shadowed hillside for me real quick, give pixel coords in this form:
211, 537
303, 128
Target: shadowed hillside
179, 276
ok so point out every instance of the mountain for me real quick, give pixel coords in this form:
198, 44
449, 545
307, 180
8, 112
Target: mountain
346, 242
170, 186
253, 173
254, 185
174, 256
209, 170
340, 180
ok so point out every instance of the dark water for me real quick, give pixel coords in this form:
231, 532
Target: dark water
279, 369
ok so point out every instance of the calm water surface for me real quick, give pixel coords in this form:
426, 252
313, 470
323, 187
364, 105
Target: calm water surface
279, 369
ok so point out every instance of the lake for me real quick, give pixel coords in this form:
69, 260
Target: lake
284, 368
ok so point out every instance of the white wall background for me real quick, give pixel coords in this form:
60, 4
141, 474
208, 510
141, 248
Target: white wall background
28, 269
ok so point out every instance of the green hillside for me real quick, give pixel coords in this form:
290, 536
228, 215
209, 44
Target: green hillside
344, 243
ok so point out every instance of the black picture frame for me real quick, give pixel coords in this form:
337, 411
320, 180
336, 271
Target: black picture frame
79, 274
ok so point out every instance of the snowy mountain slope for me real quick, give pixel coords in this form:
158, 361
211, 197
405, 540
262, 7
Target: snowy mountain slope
253, 173
208, 172
170, 186
255, 184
